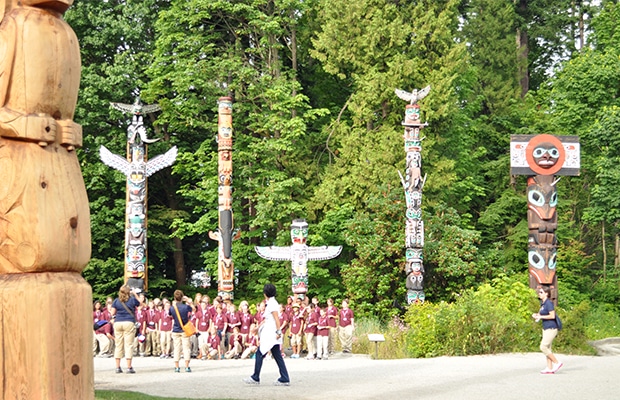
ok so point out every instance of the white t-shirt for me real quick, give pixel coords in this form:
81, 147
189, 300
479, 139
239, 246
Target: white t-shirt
267, 335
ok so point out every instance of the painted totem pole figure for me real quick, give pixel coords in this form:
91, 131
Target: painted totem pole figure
224, 234
541, 157
413, 184
44, 213
299, 254
137, 169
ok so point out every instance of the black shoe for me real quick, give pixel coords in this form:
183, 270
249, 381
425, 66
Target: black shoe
130, 371
119, 370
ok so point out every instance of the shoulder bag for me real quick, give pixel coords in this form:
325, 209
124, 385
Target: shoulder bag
189, 328
136, 324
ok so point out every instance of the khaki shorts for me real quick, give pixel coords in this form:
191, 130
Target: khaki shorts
547, 338
296, 339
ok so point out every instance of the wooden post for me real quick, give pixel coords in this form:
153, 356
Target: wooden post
540, 158
137, 170
299, 253
45, 305
413, 183
224, 234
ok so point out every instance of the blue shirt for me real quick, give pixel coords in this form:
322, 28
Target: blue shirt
122, 314
545, 309
184, 311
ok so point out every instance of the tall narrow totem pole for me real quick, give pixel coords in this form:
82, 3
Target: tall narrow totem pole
299, 254
413, 184
541, 157
45, 304
137, 169
224, 233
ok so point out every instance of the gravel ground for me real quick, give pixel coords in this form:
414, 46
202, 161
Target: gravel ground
347, 376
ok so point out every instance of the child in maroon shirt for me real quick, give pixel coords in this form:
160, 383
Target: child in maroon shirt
322, 336
310, 331
297, 327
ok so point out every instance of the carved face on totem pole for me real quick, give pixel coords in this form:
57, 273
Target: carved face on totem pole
299, 231
545, 154
542, 201
136, 259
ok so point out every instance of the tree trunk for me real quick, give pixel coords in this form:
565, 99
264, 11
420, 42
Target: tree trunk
617, 252
294, 58
604, 250
178, 257
523, 52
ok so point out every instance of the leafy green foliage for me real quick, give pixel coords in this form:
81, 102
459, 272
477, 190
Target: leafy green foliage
317, 135
495, 318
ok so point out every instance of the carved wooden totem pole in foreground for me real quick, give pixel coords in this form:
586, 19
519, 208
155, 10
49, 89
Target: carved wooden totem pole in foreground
413, 184
541, 157
45, 304
224, 233
137, 169
299, 254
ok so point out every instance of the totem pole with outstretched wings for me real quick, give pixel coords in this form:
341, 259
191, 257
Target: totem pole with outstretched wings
137, 169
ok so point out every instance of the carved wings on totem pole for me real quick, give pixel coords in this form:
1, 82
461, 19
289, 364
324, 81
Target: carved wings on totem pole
275, 253
413, 97
153, 165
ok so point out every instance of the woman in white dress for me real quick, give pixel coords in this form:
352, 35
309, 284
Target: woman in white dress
270, 339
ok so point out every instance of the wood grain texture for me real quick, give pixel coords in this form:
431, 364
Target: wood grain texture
45, 305
44, 350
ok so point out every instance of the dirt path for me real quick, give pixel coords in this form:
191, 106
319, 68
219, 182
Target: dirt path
504, 376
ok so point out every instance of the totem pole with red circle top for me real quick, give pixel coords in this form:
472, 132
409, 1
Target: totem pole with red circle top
541, 158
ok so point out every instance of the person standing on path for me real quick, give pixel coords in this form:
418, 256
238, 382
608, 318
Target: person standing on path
346, 327
180, 341
270, 339
550, 329
123, 310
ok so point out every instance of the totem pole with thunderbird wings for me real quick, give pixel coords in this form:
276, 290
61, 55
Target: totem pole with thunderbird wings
137, 169
541, 157
299, 254
46, 329
413, 183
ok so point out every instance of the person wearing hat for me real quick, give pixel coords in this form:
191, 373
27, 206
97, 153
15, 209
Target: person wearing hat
297, 325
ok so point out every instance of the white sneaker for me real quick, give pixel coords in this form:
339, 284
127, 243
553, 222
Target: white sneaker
546, 371
556, 366
250, 381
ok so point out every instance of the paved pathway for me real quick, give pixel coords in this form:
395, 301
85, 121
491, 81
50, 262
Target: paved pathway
504, 376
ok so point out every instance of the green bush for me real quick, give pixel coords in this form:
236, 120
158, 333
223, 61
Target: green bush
494, 318
601, 321
573, 338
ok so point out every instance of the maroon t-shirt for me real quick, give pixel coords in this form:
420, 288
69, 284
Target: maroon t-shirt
323, 326
297, 320
152, 317
203, 319
332, 314
165, 322
233, 320
219, 320
246, 320
345, 317
312, 323
214, 342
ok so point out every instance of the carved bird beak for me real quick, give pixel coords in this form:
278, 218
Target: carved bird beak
55, 5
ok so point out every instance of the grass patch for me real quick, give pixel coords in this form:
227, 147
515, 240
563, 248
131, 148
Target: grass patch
117, 395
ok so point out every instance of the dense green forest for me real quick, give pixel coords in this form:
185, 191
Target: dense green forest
318, 136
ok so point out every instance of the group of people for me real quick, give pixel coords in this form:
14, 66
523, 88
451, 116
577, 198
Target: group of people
133, 325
